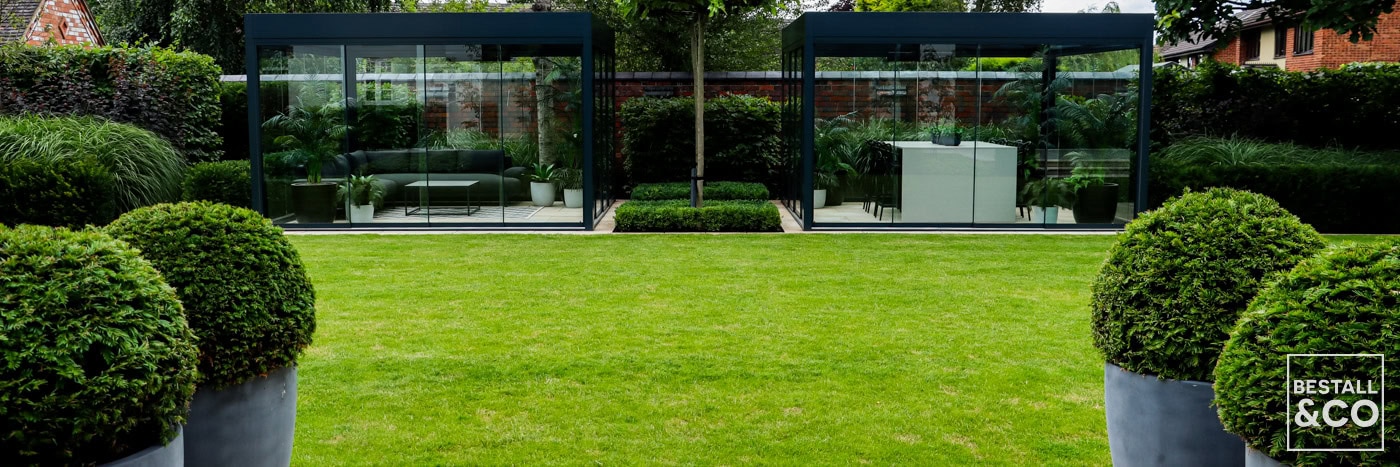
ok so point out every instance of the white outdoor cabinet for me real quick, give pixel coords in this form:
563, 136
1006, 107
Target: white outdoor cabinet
974, 182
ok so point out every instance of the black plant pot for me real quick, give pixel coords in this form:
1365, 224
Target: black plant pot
835, 194
1096, 204
1165, 422
314, 203
249, 424
948, 140
172, 454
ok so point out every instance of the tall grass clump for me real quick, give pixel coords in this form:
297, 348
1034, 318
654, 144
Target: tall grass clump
1237, 151
145, 168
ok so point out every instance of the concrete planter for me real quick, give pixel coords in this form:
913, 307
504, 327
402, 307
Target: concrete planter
170, 455
818, 199
542, 193
1154, 422
244, 425
573, 197
1256, 458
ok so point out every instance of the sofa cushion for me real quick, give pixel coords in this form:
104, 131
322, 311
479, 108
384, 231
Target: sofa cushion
359, 162
398, 161
442, 160
485, 161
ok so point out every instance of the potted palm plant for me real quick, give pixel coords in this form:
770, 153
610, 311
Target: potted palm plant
1095, 200
313, 135
1045, 197
361, 193
572, 181
827, 176
542, 177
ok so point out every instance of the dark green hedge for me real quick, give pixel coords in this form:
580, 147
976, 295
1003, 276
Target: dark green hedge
1357, 105
716, 216
741, 139
233, 124
66, 192
1333, 198
1340, 302
1179, 276
245, 290
718, 191
96, 361
227, 182
173, 94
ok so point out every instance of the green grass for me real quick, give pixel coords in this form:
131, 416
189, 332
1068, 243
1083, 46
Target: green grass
701, 349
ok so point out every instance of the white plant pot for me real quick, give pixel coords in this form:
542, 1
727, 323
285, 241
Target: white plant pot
573, 198
362, 213
542, 193
818, 199
1041, 215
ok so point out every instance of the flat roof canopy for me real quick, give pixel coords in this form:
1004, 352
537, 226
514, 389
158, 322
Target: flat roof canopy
426, 28
998, 34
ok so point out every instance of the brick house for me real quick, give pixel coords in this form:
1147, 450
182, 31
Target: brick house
1262, 42
39, 22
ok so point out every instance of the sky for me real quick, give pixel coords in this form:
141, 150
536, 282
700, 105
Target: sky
1071, 6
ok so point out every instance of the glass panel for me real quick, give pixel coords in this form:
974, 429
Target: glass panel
604, 147
388, 113
542, 127
1096, 136
303, 111
463, 161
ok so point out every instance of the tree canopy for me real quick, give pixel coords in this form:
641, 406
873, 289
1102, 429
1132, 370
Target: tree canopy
1010, 6
1179, 20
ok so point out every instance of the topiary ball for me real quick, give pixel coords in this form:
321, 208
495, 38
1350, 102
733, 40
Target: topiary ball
96, 361
246, 294
1172, 287
1345, 301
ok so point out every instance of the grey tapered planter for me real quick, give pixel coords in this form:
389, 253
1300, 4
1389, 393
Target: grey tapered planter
172, 454
250, 424
1256, 458
1154, 422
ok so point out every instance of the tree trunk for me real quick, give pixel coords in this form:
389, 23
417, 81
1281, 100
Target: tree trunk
697, 61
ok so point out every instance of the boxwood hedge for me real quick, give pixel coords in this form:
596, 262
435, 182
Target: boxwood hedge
246, 293
96, 360
713, 191
1340, 302
67, 193
741, 139
716, 216
1178, 278
227, 182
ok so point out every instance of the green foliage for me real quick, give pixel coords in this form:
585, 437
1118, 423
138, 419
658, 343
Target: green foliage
361, 191
313, 133
246, 294
216, 28
1179, 277
1182, 20
66, 193
228, 182
387, 125
1334, 190
910, 5
735, 42
741, 139
542, 173
1340, 302
174, 94
713, 191
233, 128
1319, 108
144, 167
716, 216
1048, 192
97, 361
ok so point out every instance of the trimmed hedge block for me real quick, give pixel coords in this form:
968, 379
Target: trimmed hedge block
65, 193
741, 139
718, 191
716, 216
227, 182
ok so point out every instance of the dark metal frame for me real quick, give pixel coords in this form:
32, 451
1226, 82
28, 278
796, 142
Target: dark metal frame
348, 29
1085, 31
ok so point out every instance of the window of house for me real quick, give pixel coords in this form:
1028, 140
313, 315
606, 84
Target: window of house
1302, 40
1280, 42
1251, 44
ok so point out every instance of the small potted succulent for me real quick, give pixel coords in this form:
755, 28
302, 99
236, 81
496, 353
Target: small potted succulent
1341, 302
572, 181
97, 363
1162, 307
947, 135
361, 193
251, 305
542, 177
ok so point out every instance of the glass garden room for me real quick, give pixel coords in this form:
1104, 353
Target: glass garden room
454, 120
966, 120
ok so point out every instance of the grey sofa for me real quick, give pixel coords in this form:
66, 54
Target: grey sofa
497, 175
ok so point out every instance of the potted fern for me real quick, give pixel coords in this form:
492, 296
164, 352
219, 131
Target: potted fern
361, 193
1046, 196
572, 181
542, 177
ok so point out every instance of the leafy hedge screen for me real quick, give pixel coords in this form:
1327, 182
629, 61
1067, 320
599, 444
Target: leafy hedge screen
1178, 278
741, 139
713, 191
66, 193
96, 361
227, 182
1340, 302
174, 94
1312, 108
244, 288
716, 216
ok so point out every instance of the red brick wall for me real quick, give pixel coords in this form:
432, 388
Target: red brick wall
64, 22
1331, 50
1231, 52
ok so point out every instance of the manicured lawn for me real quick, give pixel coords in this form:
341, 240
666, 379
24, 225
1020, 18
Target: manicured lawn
701, 349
